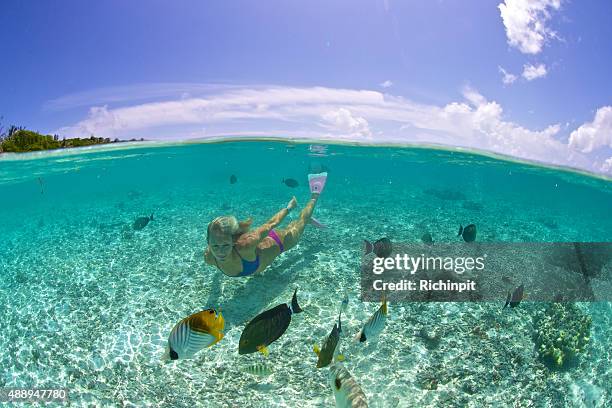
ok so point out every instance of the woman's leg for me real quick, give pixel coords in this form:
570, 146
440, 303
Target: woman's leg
291, 235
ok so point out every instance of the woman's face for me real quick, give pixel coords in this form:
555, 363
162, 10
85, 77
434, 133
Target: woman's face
220, 246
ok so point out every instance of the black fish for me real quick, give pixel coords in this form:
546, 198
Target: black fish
267, 327
382, 248
468, 233
516, 297
427, 238
233, 179
290, 182
142, 222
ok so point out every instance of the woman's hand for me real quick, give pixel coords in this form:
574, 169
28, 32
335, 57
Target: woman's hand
292, 204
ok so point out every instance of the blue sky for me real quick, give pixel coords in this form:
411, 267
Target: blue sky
529, 79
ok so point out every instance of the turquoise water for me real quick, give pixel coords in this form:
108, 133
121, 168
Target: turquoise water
87, 303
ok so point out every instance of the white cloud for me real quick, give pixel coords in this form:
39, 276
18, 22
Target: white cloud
343, 121
130, 93
508, 78
594, 135
473, 96
525, 23
531, 72
356, 115
386, 84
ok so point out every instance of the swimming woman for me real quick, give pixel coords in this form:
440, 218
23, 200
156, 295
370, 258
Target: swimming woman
238, 251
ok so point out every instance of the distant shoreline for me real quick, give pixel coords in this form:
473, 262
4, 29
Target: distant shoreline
76, 147
20, 140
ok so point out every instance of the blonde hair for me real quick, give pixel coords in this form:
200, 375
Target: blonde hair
228, 225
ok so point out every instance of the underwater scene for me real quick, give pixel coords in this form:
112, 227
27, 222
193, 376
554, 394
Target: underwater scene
116, 284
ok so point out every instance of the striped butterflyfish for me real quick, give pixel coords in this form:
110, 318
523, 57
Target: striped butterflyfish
347, 393
193, 333
375, 324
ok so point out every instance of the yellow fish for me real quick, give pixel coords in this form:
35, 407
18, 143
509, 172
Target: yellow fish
193, 333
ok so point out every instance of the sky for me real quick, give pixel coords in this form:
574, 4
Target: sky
530, 79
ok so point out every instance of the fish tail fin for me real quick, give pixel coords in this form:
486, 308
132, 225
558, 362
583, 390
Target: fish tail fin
367, 246
460, 230
340, 357
295, 308
316, 349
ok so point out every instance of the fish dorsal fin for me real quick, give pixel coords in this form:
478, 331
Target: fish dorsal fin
271, 313
295, 307
220, 321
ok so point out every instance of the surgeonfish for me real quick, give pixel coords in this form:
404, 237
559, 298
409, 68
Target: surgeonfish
427, 238
330, 350
347, 393
193, 333
259, 369
233, 179
267, 327
289, 182
515, 298
375, 324
382, 248
468, 233
142, 222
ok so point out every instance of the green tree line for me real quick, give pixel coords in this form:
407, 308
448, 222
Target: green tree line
17, 139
